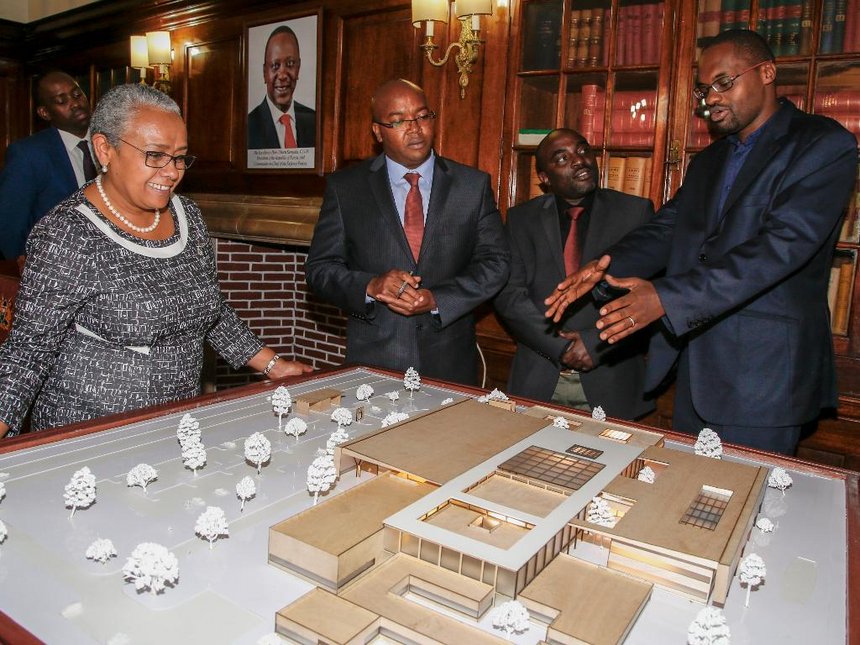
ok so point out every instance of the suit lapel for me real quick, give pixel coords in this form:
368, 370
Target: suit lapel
437, 209
547, 215
62, 161
381, 189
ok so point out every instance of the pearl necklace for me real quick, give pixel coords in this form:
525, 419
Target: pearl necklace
121, 217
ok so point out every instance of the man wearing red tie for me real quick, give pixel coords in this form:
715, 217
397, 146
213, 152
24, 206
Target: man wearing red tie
408, 244
279, 121
549, 237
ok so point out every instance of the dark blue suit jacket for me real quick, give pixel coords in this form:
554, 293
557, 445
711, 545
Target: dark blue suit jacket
262, 133
745, 289
36, 177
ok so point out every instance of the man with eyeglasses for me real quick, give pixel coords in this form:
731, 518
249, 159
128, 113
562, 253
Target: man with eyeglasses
408, 244
48, 166
745, 247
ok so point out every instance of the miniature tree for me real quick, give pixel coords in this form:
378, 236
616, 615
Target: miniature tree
411, 381
447, 401
708, 444
600, 513
245, 490
647, 475
194, 456
764, 525
598, 414
321, 475
81, 490
101, 551
212, 524
751, 572
780, 479
258, 450
151, 566
709, 628
188, 430
495, 395
393, 417
295, 427
512, 617
342, 416
281, 402
363, 392
141, 475
337, 437
3, 532
561, 422
393, 396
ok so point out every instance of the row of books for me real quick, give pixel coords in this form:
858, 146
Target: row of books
840, 289
638, 30
631, 120
542, 42
585, 42
715, 16
840, 26
786, 25
630, 175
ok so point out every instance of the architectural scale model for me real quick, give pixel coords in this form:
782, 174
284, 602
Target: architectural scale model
500, 498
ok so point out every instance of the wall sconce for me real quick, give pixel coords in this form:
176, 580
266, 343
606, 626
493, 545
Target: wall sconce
153, 50
468, 12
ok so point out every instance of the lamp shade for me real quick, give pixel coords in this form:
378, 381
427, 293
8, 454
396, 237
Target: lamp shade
429, 10
158, 47
474, 7
139, 55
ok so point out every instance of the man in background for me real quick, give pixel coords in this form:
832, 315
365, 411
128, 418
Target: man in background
45, 168
408, 244
550, 236
279, 121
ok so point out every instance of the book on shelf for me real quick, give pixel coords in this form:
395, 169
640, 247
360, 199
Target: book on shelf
791, 27
806, 26
595, 44
652, 22
615, 173
852, 27
573, 37
589, 98
828, 21
841, 101
584, 38
845, 283
620, 38
635, 175
634, 34
531, 136
839, 26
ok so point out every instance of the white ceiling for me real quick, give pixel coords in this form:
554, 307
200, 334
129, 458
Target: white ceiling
30, 10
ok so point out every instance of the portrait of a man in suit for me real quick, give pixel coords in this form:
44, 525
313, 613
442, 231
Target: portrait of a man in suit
282, 127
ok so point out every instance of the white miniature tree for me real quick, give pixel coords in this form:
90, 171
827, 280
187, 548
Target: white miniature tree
447, 401
80, 491
101, 550
212, 524
393, 396
600, 513
411, 381
764, 525
647, 475
495, 395
363, 392
342, 417
188, 430
336, 438
394, 417
281, 402
258, 450
245, 490
561, 422
141, 475
194, 456
3, 532
321, 475
780, 479
708, 444
598, 414
751, 572
709, 628
151, 566
295, 427
512, 617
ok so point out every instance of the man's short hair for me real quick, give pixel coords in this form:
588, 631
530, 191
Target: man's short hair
283, 29
749, 45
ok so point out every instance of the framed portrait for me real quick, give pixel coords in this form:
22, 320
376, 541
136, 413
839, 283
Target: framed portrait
282, 130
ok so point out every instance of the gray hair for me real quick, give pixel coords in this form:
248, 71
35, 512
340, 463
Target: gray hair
120, 104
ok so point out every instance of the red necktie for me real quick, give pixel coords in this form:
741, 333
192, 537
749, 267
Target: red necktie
289, 138
413, 214
571, 247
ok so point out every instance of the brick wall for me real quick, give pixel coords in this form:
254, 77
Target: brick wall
266, 285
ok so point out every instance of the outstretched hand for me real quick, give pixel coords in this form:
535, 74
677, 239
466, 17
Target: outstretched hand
574, 286
631, 312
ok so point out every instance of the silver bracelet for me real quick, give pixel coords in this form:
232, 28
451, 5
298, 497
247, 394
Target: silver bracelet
271, 364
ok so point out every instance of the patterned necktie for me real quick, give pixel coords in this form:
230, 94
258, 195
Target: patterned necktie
413, 214
89, 167
289, 138
571, 246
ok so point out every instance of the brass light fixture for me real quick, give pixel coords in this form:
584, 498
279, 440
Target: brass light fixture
153, 50
468, 12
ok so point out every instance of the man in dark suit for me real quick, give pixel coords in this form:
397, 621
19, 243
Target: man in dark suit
46, 167
567, 363
408, 244
747, 244
279, 121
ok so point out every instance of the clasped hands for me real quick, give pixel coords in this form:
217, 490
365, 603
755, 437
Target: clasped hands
619, 318
401, 292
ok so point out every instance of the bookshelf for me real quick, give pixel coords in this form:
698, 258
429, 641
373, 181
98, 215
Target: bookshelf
625, 81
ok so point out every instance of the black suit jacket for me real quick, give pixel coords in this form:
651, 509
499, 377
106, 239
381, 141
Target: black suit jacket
464, 261
262, 133
745, 290
537, 266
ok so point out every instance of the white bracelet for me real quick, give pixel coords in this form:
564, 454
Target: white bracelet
271, 364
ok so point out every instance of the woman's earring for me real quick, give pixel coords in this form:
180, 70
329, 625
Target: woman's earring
104, 169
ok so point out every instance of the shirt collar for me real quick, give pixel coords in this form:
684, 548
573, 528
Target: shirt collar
276, 111
587, 202
71, 141
754, 136
396, 170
